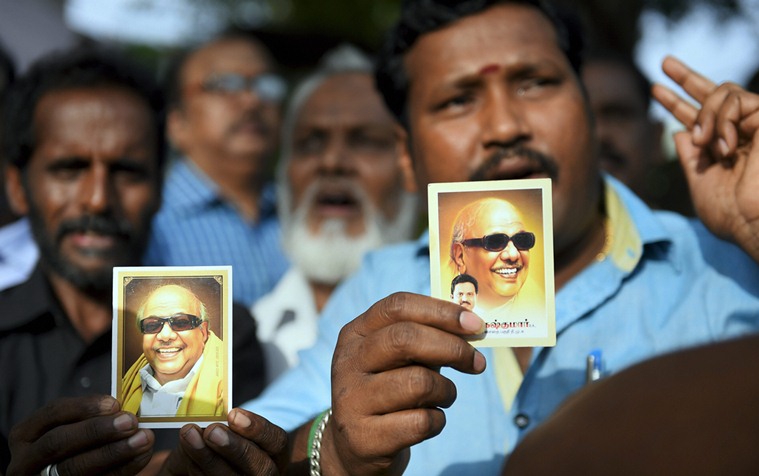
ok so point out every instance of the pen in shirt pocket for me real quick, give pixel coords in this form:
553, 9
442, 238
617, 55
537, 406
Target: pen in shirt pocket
594, 366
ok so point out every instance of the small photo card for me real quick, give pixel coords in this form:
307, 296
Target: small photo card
172, 344
491, 251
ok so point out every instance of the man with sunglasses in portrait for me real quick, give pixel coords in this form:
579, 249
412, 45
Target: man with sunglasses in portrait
489, 242
218, 205
170, 378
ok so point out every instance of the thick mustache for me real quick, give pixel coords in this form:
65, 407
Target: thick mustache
103, 225
538, 159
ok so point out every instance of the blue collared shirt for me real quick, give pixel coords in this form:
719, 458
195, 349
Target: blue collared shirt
197, 227
667, 283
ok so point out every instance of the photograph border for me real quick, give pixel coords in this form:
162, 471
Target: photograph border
121, 277
480, 189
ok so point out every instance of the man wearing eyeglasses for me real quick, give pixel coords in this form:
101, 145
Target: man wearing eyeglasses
490, 242
218, 207
175, 376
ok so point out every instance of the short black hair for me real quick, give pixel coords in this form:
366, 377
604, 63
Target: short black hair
419, 17
464, 278
78, 68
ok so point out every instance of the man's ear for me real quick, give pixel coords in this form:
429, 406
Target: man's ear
14, 189
404, 160
457, 254
204, 330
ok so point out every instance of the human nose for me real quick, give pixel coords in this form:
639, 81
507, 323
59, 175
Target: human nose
335, 158
510, 253
250, 97
503, 120
166, 333
96, 190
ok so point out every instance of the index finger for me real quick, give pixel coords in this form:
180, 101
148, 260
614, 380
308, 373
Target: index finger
399, 307
696, 85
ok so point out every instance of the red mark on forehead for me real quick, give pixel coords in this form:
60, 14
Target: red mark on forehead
490, 68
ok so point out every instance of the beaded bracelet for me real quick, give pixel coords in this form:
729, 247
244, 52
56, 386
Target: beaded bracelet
315, 441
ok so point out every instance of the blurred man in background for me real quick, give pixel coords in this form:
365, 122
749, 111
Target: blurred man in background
340, 193
18, 252
218, 209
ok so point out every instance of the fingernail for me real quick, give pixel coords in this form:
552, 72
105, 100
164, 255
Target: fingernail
194, 439
138, 440
723, 147
697, 132
239, 419
471, 322
479, 361
107, 404
219, 436
123, 422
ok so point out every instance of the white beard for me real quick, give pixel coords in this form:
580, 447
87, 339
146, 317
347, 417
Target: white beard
331, 254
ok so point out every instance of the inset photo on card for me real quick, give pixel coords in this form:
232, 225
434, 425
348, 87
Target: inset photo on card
491, 251
172, 344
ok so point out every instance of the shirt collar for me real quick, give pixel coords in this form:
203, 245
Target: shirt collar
633, 227
185, 176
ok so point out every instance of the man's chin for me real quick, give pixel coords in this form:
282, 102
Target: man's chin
88, 276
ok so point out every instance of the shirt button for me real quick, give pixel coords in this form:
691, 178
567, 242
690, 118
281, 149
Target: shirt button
521, 421
85, 382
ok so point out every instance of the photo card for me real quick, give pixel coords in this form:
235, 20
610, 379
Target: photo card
172, 344
491, 251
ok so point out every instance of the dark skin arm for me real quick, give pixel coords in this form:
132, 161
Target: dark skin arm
387, 390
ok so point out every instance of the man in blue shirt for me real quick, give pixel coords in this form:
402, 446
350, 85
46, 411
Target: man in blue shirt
217, 208
490, 90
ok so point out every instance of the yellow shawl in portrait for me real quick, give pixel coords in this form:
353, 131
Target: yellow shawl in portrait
204, 396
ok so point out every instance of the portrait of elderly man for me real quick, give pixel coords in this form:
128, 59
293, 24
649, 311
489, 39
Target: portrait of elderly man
464, 291
178, 373
491, 243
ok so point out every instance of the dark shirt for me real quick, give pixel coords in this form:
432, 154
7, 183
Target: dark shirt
42, 358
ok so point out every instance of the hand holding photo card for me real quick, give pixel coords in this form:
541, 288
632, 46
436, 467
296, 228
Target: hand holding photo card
172, 344
491, 251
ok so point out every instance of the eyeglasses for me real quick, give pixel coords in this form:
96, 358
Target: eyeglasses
268, 86
178, 322
524, 240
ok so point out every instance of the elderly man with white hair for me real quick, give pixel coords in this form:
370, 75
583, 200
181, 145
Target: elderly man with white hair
340, 193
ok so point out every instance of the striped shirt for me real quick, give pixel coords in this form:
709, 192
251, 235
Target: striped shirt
197, 227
